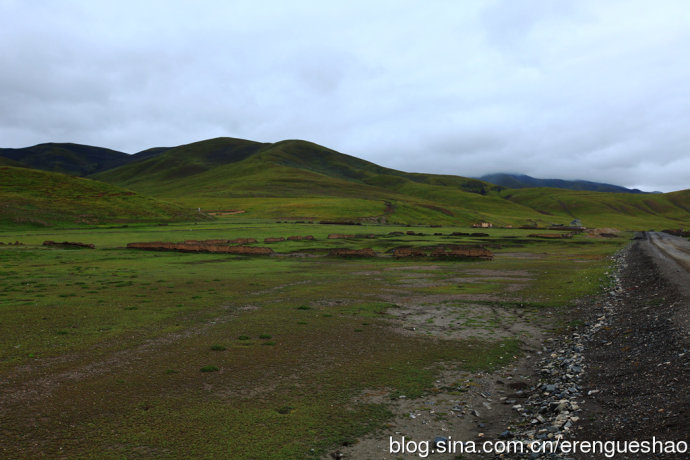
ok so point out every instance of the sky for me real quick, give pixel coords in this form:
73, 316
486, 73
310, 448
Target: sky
570, 89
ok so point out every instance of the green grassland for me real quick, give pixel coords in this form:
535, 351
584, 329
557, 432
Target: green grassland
119, 353
301, 180
38, 198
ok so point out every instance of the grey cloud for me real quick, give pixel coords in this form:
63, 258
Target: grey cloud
573, 89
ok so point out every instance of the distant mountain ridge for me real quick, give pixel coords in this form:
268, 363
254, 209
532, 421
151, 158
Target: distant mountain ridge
85, 160
291, 166
301, 180
524, 181
72, 159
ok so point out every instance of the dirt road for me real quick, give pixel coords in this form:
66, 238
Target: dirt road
669, 249
639, 365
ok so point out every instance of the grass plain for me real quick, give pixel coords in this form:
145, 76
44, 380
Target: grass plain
113, 352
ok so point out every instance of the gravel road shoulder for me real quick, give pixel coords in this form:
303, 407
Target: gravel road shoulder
638, 364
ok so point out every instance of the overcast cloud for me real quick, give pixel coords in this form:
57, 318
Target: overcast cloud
596, 90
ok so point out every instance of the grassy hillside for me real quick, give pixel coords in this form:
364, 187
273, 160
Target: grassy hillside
186, 165
298, 179
33, 197
624, 210
301, 180
75, 159
7, 162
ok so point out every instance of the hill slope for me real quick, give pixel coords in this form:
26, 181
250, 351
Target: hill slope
298, 179
625, 210
33, 197
7, 162
524, 181
75, 159
311, 181
186, 165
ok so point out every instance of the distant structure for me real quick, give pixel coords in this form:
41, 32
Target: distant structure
576, 223
483, 225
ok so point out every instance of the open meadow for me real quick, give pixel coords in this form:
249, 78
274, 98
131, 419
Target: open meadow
117, 352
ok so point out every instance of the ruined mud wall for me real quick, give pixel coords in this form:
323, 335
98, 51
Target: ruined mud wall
69, 244
200, 247
339, 236
550, 235
235, 241
300, 238
444, 252
343, 252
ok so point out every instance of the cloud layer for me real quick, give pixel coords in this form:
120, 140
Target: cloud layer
572, 89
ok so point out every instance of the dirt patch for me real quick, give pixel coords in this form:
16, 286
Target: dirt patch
519, 255
395, 296
602, 232
499, 274
228, 212
462, 406
413, 268
461, 321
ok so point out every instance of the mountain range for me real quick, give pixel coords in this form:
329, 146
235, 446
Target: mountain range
524, 181
295, 179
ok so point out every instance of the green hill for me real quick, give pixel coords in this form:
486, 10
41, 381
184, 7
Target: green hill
524, 181
7, 162
638, 211
294, 180
300, 180
74, 159
33, 197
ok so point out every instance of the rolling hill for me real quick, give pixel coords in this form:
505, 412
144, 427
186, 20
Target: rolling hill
189, 165
34, 197
524, 181
639, 211
7, 162
73, 159
297, 179
292, 179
